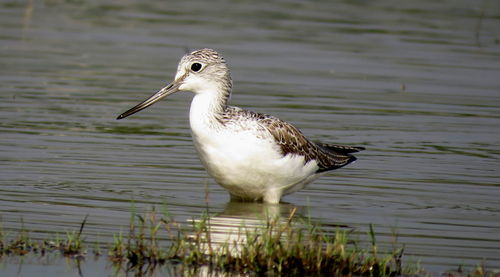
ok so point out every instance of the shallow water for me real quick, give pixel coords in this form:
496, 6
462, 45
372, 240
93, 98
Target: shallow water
417, 84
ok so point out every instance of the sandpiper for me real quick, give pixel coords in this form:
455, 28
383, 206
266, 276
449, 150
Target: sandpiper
256, 157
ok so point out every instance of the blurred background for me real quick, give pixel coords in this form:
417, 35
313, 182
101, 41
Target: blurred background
416, 83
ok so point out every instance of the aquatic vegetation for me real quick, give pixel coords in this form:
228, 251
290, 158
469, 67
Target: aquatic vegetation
276, 246
479, 271
72, 245
291, 247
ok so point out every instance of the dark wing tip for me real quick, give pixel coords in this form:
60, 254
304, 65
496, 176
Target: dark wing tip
343, 149
358, 148
340, 155
339, 161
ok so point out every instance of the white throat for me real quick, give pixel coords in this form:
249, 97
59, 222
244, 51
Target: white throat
206, 108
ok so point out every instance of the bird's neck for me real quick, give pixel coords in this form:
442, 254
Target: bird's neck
207, 109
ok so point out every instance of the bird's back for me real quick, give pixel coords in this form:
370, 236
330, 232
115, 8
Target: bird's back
290, 140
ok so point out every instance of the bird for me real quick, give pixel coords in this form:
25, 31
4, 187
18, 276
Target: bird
255, 157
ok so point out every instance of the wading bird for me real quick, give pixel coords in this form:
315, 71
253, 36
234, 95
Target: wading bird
256, 157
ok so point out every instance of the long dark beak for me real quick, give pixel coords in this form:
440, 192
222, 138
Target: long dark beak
164, 92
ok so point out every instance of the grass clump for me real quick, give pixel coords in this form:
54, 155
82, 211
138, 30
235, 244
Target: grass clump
142, 246
293, 249
71, 246
479, 271
276, 246
288, 246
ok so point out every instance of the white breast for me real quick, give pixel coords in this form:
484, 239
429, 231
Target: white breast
246, 161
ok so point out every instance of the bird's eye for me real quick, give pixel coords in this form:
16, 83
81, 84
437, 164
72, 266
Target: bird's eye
196, 67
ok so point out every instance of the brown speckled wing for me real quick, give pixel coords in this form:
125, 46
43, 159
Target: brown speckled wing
292, 141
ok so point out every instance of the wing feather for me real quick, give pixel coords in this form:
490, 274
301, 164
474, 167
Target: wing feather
292, 141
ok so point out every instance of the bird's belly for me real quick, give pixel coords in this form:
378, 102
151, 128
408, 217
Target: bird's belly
251, 167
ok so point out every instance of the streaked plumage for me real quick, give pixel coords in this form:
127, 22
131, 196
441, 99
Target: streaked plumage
254, 156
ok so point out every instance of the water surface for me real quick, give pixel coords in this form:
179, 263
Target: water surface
417, 84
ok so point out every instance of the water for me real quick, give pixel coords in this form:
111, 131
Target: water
417, 84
